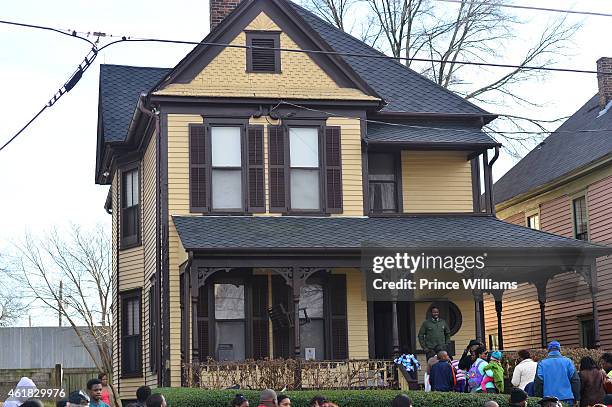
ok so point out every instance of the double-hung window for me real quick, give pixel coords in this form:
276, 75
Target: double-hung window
226, 167
131, 345
130, 204
383, 180
226, 179
305, 174
581, 230
305, 167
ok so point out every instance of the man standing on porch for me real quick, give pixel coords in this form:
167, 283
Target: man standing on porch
434, 333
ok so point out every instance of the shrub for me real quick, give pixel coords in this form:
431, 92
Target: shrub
188, 397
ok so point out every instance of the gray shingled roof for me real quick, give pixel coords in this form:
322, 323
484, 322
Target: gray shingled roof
422, 133
402, 88
290, 232
564, 151
120, 87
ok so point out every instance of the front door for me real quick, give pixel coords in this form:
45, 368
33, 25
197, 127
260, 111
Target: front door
383, 328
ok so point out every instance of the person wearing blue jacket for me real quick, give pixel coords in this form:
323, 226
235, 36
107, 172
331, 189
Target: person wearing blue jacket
557, 376
442, 376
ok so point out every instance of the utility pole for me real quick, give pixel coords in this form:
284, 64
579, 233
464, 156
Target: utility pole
59, 308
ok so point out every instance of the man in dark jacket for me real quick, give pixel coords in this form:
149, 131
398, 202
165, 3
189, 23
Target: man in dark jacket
434, 332
442, 377
557, 376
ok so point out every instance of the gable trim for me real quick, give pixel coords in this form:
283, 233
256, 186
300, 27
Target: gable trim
289, 22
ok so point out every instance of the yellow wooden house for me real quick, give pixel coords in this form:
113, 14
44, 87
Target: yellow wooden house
245, 180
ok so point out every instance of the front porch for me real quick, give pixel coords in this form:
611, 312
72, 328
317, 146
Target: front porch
261, 289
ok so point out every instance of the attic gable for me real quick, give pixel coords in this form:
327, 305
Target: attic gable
216, 71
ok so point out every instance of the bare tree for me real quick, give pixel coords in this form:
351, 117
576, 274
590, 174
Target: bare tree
473, 31
11, 309
70, 274
333, 11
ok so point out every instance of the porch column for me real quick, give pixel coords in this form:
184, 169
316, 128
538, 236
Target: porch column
498, 310
541, 286
296, 318
593, 287
195, 341
395, 328
478, 307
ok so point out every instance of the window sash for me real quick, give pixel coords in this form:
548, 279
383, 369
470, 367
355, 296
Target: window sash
379, 201
131, 334
221, 179
304, 151
226, 146
580, 218
130, 196
533, 222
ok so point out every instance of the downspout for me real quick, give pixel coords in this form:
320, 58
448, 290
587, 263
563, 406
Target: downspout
490, 180
154, 115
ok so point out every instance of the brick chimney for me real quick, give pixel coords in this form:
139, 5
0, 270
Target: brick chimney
604, 81
219, 9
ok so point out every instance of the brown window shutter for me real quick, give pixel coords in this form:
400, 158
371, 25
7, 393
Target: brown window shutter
339, 326
333, 170
281, 337
277, 178
255, 167
198, 171
261, 348
203, 324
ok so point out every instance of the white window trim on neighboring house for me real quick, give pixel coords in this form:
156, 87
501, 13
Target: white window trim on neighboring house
533, 212
576, 195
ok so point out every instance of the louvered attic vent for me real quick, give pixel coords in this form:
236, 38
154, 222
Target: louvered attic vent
260, 59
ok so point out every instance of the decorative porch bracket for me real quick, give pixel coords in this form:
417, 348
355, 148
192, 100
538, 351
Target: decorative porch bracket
201, 274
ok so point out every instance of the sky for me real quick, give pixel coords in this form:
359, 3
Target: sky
47, 174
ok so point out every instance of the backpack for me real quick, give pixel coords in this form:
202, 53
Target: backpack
474, 375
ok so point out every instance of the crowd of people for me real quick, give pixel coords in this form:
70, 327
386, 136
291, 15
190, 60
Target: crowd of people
553, 379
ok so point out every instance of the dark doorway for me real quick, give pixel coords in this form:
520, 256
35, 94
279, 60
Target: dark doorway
383, 328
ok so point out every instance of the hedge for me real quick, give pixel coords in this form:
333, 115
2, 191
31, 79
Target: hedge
510, 358
190, 397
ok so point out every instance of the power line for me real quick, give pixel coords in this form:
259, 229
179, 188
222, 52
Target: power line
67, 87
284, 102
554, 10
69, 33
73, 80
375, 55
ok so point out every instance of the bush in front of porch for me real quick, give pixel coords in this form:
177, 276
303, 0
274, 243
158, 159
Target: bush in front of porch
188, 397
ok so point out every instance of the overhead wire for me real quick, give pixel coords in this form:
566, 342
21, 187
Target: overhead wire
418, 127
76, 76
516, 6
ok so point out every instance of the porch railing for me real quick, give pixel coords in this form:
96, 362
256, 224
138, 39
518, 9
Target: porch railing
293, 374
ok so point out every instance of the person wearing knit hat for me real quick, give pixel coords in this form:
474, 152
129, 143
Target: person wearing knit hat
557, 376
494, 373
518, 398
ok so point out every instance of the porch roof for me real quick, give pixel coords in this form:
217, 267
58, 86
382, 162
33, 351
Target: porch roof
224, 233
428, 133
